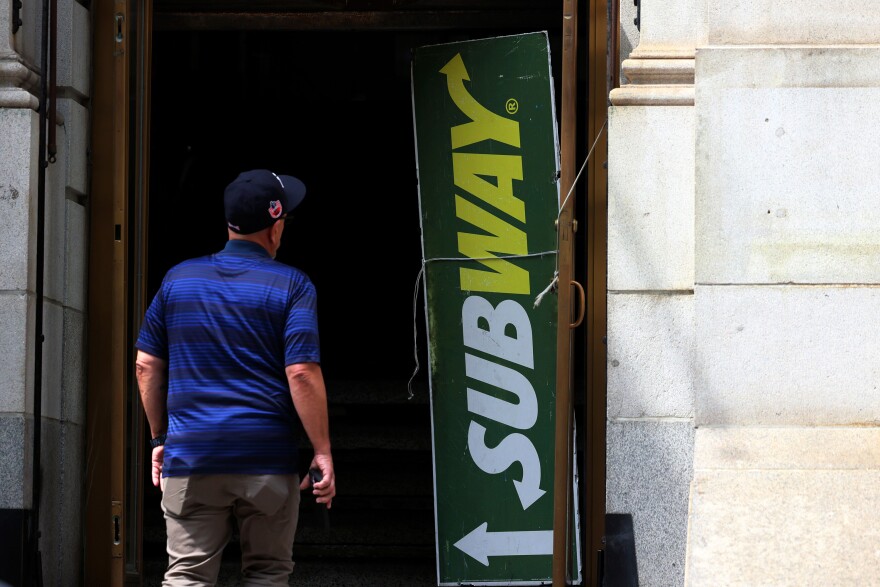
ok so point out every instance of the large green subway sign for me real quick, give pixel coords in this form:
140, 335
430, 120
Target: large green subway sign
488, 187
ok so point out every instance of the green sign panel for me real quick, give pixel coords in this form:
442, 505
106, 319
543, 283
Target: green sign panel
489, 197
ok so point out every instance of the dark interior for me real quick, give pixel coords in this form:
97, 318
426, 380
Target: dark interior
334, 109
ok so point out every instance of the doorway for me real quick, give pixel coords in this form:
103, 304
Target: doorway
334, 109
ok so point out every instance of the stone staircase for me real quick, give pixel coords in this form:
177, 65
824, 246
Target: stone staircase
380, 530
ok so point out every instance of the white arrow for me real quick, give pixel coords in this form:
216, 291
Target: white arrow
480, 544
514, 448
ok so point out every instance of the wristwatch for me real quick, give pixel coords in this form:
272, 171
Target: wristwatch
158, 441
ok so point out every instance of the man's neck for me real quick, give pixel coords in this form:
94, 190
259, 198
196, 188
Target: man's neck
259, 238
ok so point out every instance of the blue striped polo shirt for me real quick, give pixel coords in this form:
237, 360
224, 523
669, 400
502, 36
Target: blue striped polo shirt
228, 324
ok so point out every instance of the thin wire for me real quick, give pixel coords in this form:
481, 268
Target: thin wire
409, 389
583, 166
555, 279
547, 289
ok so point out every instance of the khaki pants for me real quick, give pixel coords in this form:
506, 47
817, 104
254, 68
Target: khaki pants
198, 515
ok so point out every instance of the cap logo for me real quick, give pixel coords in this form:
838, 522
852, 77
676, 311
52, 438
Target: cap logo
275, 209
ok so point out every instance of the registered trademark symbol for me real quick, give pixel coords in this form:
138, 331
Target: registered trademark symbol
512, 106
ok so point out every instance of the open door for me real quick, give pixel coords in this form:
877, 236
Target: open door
112, 501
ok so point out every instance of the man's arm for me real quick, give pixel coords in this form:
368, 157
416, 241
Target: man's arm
309, 395
152, 378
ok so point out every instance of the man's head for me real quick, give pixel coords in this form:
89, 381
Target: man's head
256, 199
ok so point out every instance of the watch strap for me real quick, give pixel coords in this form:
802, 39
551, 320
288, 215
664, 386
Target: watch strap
158, 441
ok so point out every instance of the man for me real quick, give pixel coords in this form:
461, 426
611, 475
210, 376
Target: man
228, 367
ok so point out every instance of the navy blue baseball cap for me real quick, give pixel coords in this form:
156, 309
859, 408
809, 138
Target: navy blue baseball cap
257, 198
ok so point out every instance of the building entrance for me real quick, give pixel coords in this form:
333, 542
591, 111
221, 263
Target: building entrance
334, 109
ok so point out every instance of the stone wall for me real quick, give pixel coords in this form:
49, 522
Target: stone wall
743, 231
652, 365
64, 305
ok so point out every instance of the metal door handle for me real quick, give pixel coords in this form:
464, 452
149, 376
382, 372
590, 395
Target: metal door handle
583, 305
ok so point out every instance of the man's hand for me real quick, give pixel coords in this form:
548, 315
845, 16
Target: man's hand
310, 400
152, 378
325, 489
158, 458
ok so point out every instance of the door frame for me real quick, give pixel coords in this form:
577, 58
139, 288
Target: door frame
107, 330
122, 38
117, 222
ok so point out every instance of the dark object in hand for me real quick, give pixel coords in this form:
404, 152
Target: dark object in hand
315, 475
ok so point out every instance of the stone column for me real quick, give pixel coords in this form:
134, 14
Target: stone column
19, 85
651, 354
63, 381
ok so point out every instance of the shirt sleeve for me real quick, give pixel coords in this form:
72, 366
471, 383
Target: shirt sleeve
301, 344
153, 336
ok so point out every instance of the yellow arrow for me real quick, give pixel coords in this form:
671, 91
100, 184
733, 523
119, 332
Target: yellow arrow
484, 124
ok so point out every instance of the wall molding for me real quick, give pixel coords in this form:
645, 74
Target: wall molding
657, 78
18, 83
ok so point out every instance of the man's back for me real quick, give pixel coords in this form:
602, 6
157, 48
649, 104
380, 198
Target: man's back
229, 324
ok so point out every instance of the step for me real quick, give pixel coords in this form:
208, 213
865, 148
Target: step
329, 573
391, 392
367, 504
352, 534
370, 437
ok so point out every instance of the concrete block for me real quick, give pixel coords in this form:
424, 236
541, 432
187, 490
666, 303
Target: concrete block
76, 123
53, 347
18, 197
16, 438
787, 67
73, 385
71, 518
651, 198
61, 503
785, 192
56, 180
672, 26
76, 259
629, 34
787, 355
795, 448
769, 507
26, 42
798, 528
74, 47
51, 491
16, 348
651, 355
792, 22
649, 468
5, 26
